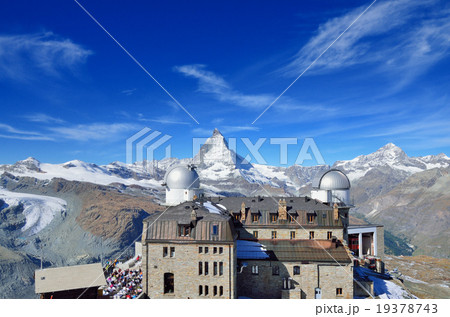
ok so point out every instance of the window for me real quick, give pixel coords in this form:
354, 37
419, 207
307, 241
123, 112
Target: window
311, 235
220, 290
215, 290
220, 250
185, 231
329, 235
310, 218
172, 252
206, 268
255, 217
338, 291
200, 268
215, 268
206, 290
255, 270
296, 270
220, 268
200, 249
255, 234
275, 270
292, 218
273, 217
287, 283
206, 250
215, 230
165, 252
324, 215
215, 250
274, 234
168, 283
292, 235
237, 217
200, 290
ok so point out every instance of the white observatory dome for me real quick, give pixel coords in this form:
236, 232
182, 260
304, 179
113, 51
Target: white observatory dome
332, 180
182, 177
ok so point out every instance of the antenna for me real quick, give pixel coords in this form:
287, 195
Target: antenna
42, 254
101, 251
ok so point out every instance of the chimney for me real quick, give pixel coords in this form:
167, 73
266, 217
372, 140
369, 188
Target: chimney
336, 212
193, 216
243, 211
282, 209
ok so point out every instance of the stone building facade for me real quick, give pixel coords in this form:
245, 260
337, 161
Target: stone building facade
188, 251
205, 249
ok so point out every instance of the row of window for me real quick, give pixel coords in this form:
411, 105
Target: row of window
274, 217
204, 290
203, 268
275, 270
292, 235
168, 252
185, 230
215, 250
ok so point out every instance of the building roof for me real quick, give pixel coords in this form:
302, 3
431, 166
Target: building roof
331, 180
298, 207
69, 277
270, 203
300, 251
182, 177
164, 225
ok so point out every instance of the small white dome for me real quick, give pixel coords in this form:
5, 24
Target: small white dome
182, 177
332, 180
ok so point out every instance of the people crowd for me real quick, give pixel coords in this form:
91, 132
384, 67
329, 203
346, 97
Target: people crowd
124, 284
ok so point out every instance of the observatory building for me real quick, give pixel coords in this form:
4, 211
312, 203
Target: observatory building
332, 186
182, 184
257, 247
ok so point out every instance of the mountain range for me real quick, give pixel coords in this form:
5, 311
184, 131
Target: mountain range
77, 212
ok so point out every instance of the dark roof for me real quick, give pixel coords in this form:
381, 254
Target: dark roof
164, 225
299, 207
270, 203
305, 251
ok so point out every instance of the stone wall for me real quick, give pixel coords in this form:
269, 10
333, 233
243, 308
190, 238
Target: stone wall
184, 265
300, 234
380, 242
267, 285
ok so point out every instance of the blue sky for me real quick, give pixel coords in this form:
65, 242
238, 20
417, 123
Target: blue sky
68, 91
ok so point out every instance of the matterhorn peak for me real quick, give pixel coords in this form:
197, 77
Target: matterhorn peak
217, 132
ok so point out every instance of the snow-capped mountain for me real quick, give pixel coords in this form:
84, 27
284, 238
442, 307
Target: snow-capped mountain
393, 157
222, 170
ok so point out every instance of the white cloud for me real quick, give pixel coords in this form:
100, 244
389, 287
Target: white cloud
43, 118
93, 132
224, 129
22, 55
18, 134
397, 36
210, 83
81, 132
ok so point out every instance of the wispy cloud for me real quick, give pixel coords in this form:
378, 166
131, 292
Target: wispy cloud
24, 54
93, 132
42, 118
211, 83
18, 134
81, 132
128, 92
162, 119
388, 36
225, 129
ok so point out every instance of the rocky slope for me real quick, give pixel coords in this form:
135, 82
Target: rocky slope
424, 276
96, 220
